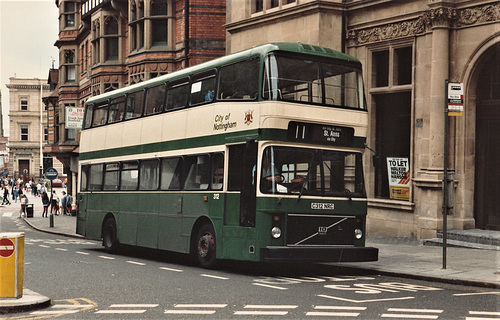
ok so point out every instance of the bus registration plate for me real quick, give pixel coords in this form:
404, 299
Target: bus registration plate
322, 206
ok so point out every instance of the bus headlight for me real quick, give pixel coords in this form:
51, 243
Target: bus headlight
358, 233
276, 232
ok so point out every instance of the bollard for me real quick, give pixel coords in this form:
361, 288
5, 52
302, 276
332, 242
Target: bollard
51, 222
11, 264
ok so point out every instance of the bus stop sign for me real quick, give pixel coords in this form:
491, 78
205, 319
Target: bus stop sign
51, 173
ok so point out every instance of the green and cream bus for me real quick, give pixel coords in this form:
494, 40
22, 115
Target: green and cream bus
254, 156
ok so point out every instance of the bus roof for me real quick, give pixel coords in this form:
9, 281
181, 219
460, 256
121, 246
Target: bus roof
259, 50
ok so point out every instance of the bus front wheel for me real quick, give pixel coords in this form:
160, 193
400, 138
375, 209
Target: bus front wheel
205, 246
110, 236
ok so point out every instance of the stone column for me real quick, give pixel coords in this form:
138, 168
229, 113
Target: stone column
428, 180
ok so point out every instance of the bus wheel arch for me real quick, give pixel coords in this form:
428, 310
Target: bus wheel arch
110, 234
204, 243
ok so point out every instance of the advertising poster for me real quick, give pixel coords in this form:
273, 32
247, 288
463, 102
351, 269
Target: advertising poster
74, 117
398, 171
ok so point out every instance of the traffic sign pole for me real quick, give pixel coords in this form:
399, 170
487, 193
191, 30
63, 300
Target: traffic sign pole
51, 174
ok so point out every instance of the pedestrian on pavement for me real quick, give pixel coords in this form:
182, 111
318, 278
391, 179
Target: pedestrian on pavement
63, 203
24, 202
45, 203
54, 203
5, 196
14, 193
69, 204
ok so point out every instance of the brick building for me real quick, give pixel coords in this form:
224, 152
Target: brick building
408, 49
108, 44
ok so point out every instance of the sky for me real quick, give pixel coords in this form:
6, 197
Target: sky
28, 31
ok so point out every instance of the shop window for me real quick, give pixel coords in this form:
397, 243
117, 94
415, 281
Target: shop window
393, 119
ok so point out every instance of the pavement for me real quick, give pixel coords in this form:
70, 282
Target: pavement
400, 257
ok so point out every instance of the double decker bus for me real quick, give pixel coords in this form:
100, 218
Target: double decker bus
254, 156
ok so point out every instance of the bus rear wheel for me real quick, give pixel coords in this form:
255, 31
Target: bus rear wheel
205, 246
110, 236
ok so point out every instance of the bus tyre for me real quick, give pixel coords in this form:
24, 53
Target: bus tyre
110, 236
205, 246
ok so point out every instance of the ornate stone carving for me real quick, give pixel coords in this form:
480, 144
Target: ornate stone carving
388, 32
438, 17
479, 14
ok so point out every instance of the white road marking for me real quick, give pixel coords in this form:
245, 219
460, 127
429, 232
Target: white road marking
215, 277
269, 286
147, 305
200, 305
269, 306
83, 253
171, 269
363, 301
136, 263
106, 257
197, 312
332, 314
415, 310
475, 293
121, 311
261, 313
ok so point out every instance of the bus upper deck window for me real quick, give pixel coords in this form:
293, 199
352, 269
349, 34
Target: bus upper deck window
134, 105
100, 115
116, 109
239, 81
177, 95
203, 88
154, 99
88, 115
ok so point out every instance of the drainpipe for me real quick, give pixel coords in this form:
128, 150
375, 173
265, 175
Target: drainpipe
186, 33
344, 28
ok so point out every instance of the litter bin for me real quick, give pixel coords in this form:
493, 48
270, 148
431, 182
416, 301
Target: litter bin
11, 264
29, 210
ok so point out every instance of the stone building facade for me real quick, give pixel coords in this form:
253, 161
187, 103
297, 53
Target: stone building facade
25, 140
108, 44
408, 50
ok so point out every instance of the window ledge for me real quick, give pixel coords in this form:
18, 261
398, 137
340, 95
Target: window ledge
391, 204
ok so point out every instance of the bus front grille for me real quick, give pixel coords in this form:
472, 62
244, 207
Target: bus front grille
320, 230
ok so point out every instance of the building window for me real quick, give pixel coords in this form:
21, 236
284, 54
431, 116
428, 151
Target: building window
263, 5
137, 25
46, 134
159, 22
391, 79
69, 67
24, 133
69, 14
96, 32
392, 67
111, 38
70, 134
24, 104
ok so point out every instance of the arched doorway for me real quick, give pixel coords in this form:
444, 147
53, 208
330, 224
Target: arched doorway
487, 153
